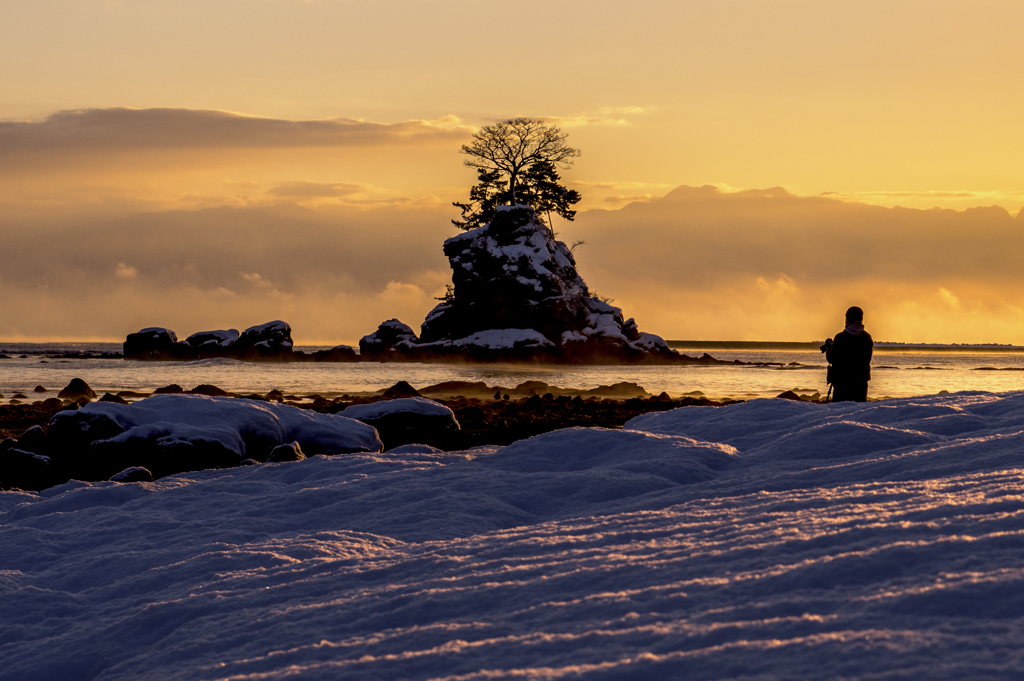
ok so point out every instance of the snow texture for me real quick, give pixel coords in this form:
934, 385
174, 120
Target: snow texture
414, 405
222, 337
386, 337
157, 331
765, 540
232, 422
502, 339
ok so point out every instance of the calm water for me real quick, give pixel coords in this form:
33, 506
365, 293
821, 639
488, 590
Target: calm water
894, 374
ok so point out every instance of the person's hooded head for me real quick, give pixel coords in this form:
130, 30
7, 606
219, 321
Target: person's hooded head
855, 315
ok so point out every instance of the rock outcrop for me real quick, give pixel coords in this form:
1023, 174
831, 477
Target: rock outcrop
213, 340
518, 296
387, 339
154, 342
77, 389
270, 341
406, 420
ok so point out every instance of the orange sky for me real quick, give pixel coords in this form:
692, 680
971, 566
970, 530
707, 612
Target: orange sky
112, 109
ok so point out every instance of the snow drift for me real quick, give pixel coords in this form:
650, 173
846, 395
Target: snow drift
765, 540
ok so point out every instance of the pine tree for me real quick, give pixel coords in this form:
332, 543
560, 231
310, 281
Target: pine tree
541, 190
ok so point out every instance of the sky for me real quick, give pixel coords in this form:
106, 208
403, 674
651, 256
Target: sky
219, 164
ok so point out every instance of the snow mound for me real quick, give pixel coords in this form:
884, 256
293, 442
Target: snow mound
504, 339
239, 425
221, 337
414, 405
701, 543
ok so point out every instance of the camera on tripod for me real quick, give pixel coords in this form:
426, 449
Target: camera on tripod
827, 346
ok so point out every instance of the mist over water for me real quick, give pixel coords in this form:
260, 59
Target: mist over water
894, 374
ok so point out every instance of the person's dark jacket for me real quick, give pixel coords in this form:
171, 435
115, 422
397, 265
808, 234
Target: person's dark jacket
850, 358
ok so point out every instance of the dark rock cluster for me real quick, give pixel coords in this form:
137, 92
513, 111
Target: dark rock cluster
269, 341
265, 342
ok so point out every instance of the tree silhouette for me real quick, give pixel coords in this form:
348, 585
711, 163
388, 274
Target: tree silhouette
517, 162
514, 146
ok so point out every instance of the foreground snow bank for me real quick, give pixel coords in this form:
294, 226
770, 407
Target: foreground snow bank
765, 540
246, 427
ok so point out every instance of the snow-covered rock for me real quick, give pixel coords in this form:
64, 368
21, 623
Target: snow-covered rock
384, 340
406, 420
754, 541
223, 338
133, 474
24, 470
151, 343
290, 451
272, 338
173, 433
492, 340
512, 274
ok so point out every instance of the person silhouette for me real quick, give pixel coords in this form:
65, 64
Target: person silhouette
849, 353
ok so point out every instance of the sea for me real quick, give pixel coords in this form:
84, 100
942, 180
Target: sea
896, 372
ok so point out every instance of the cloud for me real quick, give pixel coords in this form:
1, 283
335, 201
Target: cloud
122, 271
579, 121
121, 130
623, 185
698, 263
888, 198
334, 275
303, 189
701, 262
618, 200
604, 116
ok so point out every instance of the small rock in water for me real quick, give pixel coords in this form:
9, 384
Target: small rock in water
132, 394
209, 391
172, 389
287, 452
110, 397
275, 396
399, 390
133, 474
76, 390
788, 395
39, 389
19, 396
51, 403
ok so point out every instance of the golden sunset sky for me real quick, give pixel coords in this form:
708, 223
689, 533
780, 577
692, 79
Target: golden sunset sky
222, 163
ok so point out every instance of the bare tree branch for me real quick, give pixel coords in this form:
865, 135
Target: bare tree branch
513, 146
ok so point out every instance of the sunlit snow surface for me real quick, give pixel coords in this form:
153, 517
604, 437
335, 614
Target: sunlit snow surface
766, 540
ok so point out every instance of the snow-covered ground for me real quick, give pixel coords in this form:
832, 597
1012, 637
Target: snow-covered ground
765, 540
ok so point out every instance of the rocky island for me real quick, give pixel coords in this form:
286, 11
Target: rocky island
516, 296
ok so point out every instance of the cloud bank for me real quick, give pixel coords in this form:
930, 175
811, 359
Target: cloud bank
765, 264
125, 129
699, 263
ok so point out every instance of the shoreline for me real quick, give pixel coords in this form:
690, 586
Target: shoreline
487, 414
